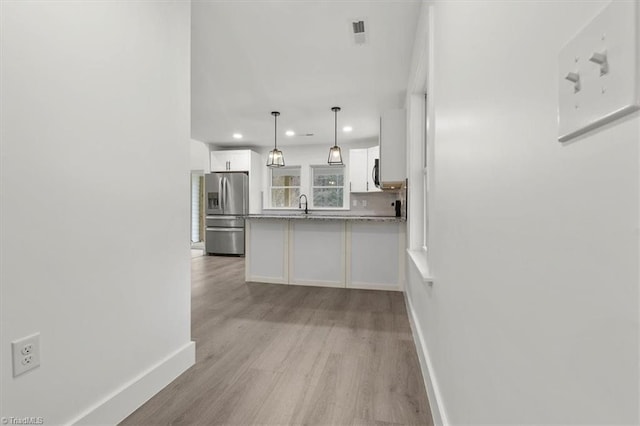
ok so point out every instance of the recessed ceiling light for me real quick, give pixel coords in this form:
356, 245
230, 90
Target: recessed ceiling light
290, 133
347, 129
237, 136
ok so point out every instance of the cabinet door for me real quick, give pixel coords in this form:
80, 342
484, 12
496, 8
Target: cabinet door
373, 153
231, 161
358, 170
239, 161
393, 134
219, 161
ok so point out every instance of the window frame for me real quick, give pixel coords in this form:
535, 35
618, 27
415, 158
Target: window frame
312, 187
425, 173
271, 187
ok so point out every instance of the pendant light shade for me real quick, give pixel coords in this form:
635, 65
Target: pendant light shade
335, 155
276, 159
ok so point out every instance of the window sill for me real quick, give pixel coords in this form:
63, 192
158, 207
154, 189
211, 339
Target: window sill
419, 259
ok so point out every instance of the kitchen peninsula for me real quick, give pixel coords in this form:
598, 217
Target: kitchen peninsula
365, 252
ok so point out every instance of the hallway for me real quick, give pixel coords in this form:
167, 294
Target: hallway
277, 354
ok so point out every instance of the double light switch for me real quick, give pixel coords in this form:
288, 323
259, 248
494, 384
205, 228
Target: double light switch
599, 72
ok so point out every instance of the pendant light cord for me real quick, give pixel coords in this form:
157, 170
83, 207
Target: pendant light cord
335, 143
275, 132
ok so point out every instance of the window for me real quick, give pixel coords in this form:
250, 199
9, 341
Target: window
285, 187
420, 172
327, 186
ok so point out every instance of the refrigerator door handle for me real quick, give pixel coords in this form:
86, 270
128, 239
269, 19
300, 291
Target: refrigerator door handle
225, 187
245, 197
221, 199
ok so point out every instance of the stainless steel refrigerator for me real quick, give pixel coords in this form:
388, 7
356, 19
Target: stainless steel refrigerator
227, 203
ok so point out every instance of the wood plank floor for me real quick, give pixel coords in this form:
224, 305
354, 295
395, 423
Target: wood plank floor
278, 354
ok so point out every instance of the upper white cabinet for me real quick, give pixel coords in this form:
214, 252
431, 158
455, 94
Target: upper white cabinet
231, 161
393, 141
361, 163
358, 170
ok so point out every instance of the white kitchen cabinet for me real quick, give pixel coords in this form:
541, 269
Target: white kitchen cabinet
267, 260
358, 170
316, 253
375, 253
231, 161
393, 142
361, 163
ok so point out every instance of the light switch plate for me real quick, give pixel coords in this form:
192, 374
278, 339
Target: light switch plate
604, 93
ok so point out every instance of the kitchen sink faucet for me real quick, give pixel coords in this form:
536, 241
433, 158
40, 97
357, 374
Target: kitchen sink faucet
306, 203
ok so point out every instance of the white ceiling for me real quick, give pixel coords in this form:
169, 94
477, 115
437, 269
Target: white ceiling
297, 57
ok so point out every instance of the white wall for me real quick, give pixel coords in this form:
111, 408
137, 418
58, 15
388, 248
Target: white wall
533, 317
94, 203
199, 156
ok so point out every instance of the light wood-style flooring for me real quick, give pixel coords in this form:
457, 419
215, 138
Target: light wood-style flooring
281, 355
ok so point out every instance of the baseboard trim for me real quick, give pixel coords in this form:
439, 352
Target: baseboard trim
373, 286
428, 375
125, 400
314, 283
265, 280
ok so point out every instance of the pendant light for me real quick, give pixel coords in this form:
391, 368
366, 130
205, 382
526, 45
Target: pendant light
276, 159
335, 155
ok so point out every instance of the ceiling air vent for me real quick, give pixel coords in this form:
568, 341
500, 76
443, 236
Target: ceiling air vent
359, 34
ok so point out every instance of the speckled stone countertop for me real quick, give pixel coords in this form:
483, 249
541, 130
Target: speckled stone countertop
312, 216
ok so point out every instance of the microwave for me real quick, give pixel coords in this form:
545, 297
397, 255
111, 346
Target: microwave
375, 173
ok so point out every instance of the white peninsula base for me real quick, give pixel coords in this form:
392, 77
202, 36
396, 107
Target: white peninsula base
336, 252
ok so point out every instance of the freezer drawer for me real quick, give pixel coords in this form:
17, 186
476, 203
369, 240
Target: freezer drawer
225, 222
225, 241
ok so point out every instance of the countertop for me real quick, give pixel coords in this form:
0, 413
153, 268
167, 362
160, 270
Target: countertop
315, 216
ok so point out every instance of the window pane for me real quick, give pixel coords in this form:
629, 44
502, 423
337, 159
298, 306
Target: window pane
328, 176
285, 197
285, 176
327, 197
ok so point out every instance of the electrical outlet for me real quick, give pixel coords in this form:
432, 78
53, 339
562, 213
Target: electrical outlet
355, 203
364, 203
26, 354
27, 349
